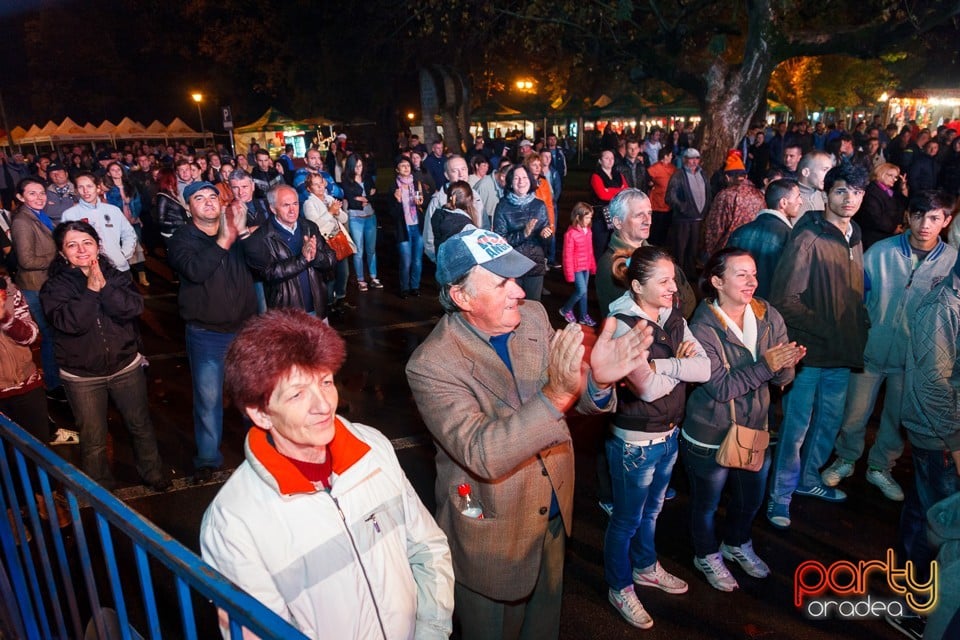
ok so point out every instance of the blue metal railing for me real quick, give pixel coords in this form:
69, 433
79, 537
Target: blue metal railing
53, 580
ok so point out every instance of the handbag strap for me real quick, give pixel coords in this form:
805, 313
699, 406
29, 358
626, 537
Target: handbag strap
726, 365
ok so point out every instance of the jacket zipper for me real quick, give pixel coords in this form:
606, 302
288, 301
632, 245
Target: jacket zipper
353, 543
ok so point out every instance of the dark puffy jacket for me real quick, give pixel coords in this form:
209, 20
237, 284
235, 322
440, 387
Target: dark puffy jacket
764, 238
708, 409
879, 214
268, 254
171, 214
510, 220
663, 413
95, 332
818, 289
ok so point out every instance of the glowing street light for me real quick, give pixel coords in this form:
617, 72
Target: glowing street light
411, 115
525, 85
198, 98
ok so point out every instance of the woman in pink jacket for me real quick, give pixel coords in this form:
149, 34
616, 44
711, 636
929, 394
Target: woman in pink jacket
578, 262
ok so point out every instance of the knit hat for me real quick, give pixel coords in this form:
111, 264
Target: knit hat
734, 163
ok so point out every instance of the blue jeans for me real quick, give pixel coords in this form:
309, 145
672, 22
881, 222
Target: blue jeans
707, 480
364, 234
812, 413
51, 371
935, 478
579, 294
88, 401
337, 288
640, 478
411, 259
206, 351
861, 396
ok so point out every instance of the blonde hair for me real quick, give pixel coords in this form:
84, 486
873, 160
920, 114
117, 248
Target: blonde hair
882, 168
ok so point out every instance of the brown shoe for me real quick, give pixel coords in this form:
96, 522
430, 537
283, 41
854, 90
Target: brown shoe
13, 528
64, 518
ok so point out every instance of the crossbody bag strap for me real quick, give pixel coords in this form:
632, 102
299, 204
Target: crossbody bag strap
726, 365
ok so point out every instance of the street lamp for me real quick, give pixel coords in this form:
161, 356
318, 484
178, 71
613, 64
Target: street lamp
198, 98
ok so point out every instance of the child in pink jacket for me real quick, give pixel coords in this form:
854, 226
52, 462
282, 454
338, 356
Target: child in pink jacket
578, 262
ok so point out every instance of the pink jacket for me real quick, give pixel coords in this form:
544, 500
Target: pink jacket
578, 252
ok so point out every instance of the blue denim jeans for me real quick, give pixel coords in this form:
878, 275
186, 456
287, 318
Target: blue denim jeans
812, 412
935, 478
640, 478
337, 288
206, 351
579, 295
51, 371
364, 234
88, 401
707, 481
411, 259
861, 396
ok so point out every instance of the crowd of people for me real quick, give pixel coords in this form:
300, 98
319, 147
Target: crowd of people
811, 269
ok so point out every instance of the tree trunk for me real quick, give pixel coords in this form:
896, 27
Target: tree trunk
429, 105
450, 111
733, 93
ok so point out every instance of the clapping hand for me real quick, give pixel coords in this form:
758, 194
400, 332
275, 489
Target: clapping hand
95, 279
564, 367
687, 349
784, 355
309, 248
614, 358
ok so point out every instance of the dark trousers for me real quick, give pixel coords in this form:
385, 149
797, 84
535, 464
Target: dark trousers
660, 228
88, 400
537, 616
707, 481
685, 245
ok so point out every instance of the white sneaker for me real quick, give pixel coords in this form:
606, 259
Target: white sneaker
883, 480
748, 560
836, 472
65, 436
630, 608
717, 573
661, 579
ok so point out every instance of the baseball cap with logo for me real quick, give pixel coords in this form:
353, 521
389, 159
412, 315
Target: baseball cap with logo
472, 247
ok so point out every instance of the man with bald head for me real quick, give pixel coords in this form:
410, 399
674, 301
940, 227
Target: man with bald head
289, 255
454, 169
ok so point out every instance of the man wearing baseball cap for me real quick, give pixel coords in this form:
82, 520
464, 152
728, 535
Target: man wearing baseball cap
216, 297
493, 381
60, 192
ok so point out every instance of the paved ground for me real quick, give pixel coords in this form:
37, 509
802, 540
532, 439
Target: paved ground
382, 331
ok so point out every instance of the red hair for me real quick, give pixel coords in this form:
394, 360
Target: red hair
167, 180
270, 346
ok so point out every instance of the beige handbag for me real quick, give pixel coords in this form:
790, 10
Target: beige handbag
742, 447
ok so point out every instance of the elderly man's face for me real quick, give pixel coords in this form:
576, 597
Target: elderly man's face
242, 189
300, 413
287, 206
635, 227
494, 305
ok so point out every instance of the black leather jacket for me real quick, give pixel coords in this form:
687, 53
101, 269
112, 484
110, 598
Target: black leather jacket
270, 258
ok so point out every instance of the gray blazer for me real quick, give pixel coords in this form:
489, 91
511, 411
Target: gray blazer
499, 433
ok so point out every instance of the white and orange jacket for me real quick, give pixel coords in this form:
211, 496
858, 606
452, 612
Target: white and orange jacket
364, 560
